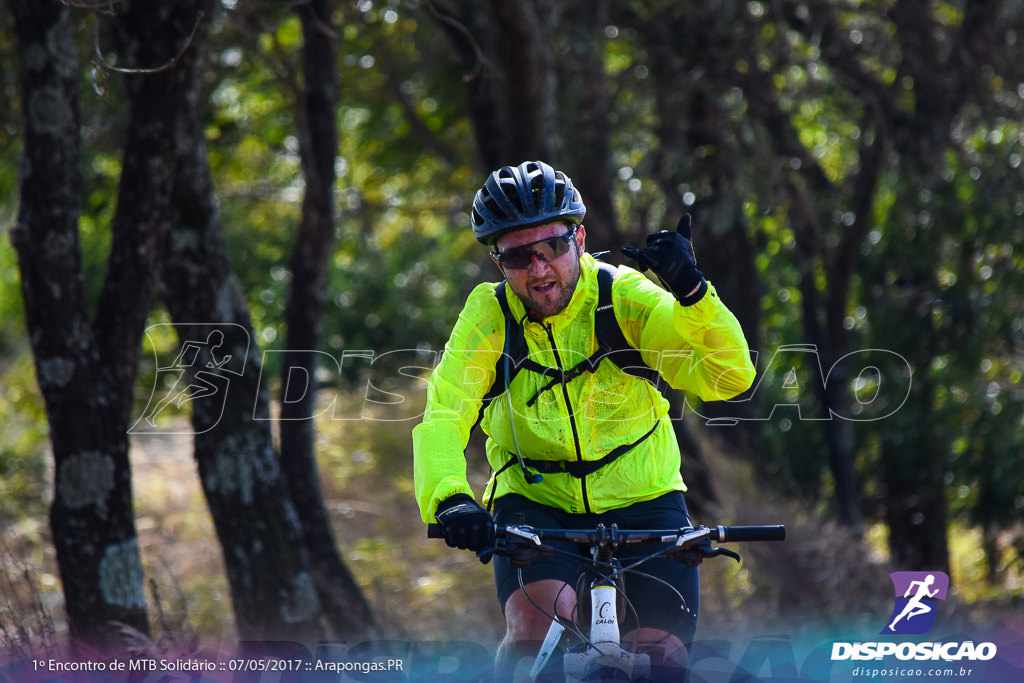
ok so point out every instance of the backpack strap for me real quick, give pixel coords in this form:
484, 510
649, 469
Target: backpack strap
610, 339
515, 346
513, 357
580, 468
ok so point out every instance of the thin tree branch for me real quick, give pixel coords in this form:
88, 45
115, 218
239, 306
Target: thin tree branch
98, 7
101, 62
460, 29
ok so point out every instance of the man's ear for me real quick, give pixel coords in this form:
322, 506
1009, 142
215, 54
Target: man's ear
581, 237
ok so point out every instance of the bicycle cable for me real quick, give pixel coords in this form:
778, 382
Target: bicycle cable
657, 579
569, 624
585, 564
624, 571
597, 568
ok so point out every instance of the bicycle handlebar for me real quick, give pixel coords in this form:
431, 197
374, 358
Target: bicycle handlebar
729, 534
721, 534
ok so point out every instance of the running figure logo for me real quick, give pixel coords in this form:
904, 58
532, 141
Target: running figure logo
202, 370
916, 596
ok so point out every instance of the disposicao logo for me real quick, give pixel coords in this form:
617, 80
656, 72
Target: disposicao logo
916, 600
917, 594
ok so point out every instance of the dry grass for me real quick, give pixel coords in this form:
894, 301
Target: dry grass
821, 573
27, 625
188, 586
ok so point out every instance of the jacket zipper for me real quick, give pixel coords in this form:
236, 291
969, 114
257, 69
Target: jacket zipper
572, 418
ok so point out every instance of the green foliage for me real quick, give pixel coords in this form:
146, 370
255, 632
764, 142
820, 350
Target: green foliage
401, 206
11, 310
978, 316
23, 435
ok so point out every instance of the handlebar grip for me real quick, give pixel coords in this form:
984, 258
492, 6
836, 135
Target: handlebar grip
435, 530
730, 534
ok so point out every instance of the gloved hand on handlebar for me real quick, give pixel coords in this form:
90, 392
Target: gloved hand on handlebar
466, 524
670, 256
693, 555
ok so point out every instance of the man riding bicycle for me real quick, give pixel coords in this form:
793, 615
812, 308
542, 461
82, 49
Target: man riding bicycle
575, 435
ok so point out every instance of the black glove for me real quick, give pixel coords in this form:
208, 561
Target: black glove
466, 524
670, 256
694, 555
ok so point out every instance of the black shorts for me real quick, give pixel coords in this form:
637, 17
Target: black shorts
656, 603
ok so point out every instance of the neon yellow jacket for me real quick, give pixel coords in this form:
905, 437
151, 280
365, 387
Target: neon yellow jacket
698, 348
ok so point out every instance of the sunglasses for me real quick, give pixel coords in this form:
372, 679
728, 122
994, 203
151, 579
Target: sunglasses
547, 250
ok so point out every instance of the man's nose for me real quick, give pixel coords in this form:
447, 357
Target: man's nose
538, 264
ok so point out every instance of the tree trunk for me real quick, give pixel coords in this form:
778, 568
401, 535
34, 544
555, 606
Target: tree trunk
508, 54
831, 344
689, 119
823, 246
265, 559
526, 53
468, 30
916, 459
91, 516
87, 370
347, 610
587, 108
913, 465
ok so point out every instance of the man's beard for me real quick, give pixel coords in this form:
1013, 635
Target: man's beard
541, 306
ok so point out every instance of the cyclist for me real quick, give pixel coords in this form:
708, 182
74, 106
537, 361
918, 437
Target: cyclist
593, 441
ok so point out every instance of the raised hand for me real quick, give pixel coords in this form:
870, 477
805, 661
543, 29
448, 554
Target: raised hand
670, 256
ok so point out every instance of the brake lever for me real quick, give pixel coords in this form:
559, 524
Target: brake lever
693, 547
715, 552
525, 533
521, 544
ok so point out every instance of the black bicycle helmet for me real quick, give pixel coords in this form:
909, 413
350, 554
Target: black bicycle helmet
523, 196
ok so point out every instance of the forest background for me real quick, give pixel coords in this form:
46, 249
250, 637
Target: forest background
282, 190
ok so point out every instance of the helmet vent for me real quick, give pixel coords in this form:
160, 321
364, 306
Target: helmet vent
491, 205
511, 193
559, 191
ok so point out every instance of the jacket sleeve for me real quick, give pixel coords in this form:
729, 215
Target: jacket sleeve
454, 398
700, 348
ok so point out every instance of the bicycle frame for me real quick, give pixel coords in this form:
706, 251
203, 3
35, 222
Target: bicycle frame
603, 649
